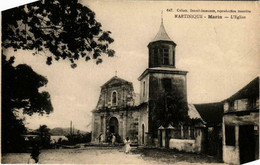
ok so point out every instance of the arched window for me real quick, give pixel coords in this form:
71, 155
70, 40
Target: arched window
114, 98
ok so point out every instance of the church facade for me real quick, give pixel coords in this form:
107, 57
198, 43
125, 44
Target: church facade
116, 112
163, 113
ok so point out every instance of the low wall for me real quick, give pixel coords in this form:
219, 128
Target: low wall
187, 145
231, 154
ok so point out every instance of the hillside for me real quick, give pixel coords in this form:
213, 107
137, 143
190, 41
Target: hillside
64, 131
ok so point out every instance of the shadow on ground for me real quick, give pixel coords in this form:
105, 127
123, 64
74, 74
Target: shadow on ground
173, 156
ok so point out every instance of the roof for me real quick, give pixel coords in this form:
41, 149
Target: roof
250, 90
211, 113
56, 138
193, 113
161, 35
116, 80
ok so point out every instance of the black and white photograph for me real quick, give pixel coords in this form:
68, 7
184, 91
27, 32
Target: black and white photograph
130, 82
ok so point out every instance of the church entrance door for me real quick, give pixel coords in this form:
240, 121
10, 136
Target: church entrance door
113, 125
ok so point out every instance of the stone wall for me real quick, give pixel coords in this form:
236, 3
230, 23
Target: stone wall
132, 126
143, 122
192, 143
231, 153
144, 97
187, 145
95, 127
178, 83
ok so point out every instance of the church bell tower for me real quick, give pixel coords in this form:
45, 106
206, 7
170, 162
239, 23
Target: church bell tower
161, 77
161, 50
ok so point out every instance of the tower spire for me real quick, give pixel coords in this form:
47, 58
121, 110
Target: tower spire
162, 17
161, 35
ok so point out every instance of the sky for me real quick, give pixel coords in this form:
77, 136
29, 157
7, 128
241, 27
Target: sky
220, 55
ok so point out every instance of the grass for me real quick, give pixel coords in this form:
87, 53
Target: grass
173, 156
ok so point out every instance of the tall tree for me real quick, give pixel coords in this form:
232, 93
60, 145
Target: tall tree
45, 136
66, 28
169, 108
20, 92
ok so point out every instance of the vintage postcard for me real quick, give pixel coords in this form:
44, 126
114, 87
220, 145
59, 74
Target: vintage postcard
130, 82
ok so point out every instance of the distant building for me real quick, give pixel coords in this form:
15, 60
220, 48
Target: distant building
241, 125
162, 89
30, 138
56, 139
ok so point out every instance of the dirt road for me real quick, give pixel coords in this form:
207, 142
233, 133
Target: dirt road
89, 155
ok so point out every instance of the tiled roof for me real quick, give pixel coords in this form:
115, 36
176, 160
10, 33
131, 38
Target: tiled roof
211, 113
250, 90
193, 112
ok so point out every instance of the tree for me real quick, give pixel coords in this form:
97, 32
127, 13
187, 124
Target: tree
20, 92
45, 137
66, 28
169, 108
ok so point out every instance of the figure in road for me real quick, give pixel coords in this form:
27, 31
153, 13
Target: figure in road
113, 139
102, 138
34, 157
127, 145
99, 138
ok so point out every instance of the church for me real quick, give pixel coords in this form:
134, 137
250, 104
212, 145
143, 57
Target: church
161, 115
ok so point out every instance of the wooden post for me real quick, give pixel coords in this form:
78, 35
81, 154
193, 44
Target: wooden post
189, 132
159, 138
182, 135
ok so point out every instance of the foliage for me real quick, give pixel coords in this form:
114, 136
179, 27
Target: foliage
44, 134
12, 129
169, 108
66, 28
63, 131
79, 138
20, 92
20, 89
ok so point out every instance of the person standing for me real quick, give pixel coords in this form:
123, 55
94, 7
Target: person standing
113, 139
99, 138
34, 157
102, 138
127, 145
109, 139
